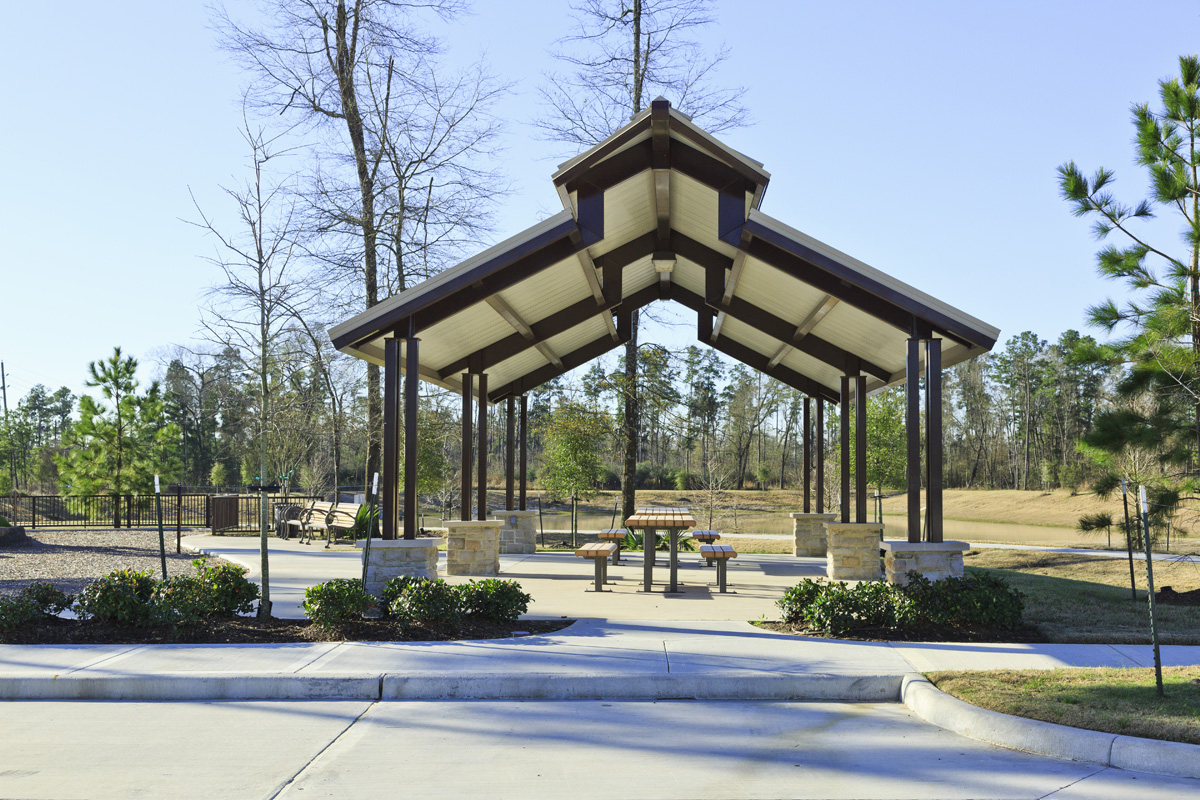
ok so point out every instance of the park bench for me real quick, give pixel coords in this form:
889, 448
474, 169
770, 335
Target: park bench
616, 536
719, 553
706, 537
293, 519
599, 552
287, 518
329, 518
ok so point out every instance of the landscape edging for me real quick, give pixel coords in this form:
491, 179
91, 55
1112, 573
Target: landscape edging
931, 704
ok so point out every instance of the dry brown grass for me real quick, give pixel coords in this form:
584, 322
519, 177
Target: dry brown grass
1073, 598
1058, 508
1121, 701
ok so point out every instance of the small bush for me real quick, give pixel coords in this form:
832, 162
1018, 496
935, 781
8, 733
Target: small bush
46, 598
429, 603
338, 600
122, 597
16, 612
181, 600
494, 599
396, 587
227, 588
636, 541
4, 522
976, 601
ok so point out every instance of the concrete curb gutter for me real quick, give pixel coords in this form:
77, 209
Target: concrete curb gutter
476, 686
1046, 738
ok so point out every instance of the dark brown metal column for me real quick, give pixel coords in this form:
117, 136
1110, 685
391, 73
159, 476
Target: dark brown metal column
933, 437
524, 451
820, 456
807, 455
510, 408
467, 442
389, 503
482, 454
912, 430
860, 448
844, 405
412, 367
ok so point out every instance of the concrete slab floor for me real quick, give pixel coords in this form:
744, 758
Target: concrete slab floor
581, 749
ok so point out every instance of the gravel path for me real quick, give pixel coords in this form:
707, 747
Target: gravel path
72, 559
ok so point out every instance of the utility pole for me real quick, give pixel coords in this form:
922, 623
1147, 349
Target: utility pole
4, 390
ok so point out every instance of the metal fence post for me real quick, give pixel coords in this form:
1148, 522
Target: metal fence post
208, 511
33, 510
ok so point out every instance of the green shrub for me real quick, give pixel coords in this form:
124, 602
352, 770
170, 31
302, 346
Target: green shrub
17, 611
494, 599
48, 599
227, 588
122, 597
396, 587
366, 520
429, 603
4, 523
635, 541
181, 600
974, 601
338, 600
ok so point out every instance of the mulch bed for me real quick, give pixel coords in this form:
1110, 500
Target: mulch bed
1173, 598
251, 630
930, 634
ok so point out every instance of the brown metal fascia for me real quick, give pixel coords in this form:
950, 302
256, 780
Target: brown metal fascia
532, 380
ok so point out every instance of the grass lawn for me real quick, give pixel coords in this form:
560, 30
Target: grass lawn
1072, 598
1122, 701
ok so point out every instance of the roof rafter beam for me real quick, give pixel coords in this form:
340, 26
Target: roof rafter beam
519, 325
805, 327
570, 361
789, 377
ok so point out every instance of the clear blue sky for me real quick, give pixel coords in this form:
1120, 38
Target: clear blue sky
919, 137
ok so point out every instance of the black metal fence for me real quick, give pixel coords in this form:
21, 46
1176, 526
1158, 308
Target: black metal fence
137, 511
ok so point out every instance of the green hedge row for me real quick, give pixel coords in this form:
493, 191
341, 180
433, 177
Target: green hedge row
417, 601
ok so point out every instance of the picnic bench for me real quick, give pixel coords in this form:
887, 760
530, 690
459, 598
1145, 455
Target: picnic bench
616, 536
719, 553
599, 552
706, 537
329, 518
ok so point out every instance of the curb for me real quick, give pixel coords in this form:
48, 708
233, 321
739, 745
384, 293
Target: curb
438, 686
1047, 738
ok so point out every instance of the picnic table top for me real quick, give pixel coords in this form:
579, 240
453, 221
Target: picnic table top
655, 517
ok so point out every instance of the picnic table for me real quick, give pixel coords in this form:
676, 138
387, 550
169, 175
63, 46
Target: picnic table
651, 520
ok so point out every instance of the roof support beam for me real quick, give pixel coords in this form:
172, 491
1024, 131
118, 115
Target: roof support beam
514, 319
755, 359
805, 327
570, 361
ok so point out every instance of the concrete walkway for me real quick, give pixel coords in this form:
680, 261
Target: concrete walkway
599, 709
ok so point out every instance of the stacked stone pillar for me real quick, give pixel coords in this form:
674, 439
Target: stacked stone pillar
810, 537
518, 532
933, 560
473, 547
392, 558
853, 550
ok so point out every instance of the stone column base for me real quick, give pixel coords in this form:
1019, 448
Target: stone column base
391, 558
809, 530
473, 548
853, 550
518, 532
934, 560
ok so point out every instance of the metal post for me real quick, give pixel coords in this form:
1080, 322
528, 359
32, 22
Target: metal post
524, 453
820, 456
162, 544
807, 455
482, 454
844, 403
467, 441
178, 517
912, 426
860, 448
391, 437
933, 437
412, 370
510, 409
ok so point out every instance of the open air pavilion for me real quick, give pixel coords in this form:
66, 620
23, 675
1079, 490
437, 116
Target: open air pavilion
663, 211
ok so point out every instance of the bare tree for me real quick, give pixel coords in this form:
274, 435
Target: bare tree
622, 53
392, 144
250, 312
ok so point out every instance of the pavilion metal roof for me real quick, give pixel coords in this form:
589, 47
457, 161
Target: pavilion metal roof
662, 211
